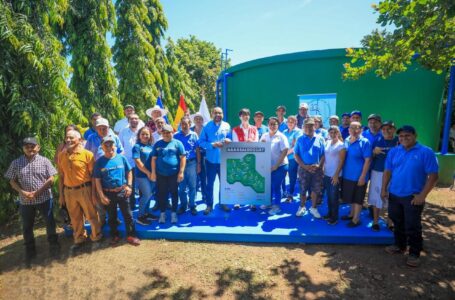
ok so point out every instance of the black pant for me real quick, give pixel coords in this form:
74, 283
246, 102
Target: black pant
167, 185
407, 223
124, 205
28, 213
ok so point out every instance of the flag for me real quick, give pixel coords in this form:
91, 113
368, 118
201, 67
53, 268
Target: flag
160, 104
180, 112
204, 111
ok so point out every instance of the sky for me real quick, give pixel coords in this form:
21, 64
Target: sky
261, 28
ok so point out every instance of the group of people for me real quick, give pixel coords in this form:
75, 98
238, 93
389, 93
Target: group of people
104, 169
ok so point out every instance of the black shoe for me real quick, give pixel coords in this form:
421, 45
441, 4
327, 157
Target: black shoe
332, 222
143, 221
237, 206
225, 208
326, 217
181, 210
151, 217
54, 249
375, 227
253, 208
353, 224
346, 218
96, 245
208, 210
76, 248
193, 211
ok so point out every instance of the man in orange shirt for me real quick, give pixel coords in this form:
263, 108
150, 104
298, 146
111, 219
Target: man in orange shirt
77, 190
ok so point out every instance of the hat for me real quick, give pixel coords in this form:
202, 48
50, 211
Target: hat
388, 123
281, 107
30, 140
356, 112
101, 122
128, 106
107, 138
167, 127
258, 113
198, 114
407, 128
334, 117
375, 116
149, 111
346, 114
303, 105
309, 121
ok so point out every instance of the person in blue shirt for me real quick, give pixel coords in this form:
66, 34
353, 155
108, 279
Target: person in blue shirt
95, 116
168, 165
142, 155
381, 146
94, 141
344, 127
411, 172
258, 122
198, 120
113, 180
189, 140
356, 116
280, 112
319, 127
309, 154
213, 137
374, 128
292, 134
355, 172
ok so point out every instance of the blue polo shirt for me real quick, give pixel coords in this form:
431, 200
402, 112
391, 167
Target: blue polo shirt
214, 133
410, 168
370, 136
112, 171
88, 133
261, 130
356, 153
94, 144
310, 150
291, 136
322, 132
379, 160
144, 153
344, 132
168, 156
283, 126
190, 143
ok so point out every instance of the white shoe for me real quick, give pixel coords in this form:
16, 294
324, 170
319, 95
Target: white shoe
162, 219
274, 210
301, 211
315, 213
174, 218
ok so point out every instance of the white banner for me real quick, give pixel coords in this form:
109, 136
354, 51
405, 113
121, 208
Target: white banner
245, 173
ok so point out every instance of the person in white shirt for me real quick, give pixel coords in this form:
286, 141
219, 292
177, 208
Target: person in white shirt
335, 153
123, 123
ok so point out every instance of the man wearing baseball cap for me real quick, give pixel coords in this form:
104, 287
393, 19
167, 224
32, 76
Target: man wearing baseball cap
258, 122
32, 176
302, 115
411, 172
374, 128
280, 112
94, 141
124, 123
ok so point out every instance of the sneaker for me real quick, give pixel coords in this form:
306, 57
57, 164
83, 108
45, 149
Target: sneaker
253, 207
346, 218
375, 227
332, 222
274, 210
174, 218
132, 240
413, 261
115, 240
315, 213
143, 221
352, 224
394, 249
208, 210
181, 211
162, 219
301, 211
193, 211
237, 206
289, 199
151, 217
225, 208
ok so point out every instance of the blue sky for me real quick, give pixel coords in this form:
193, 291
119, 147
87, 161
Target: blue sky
261, 28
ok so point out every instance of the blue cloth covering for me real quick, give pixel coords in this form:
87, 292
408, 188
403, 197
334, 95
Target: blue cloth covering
310, 150
370, 136
88, 133
214, 133
283, 126
356, 153
379, 160
410, 169
168, 156
344, 132
189, 141
112, 171
144, 153
261, 130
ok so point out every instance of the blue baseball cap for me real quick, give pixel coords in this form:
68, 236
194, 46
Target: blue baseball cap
406, 128
346, 114
356, 112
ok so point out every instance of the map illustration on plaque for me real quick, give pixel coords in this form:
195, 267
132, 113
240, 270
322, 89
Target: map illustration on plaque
244, 171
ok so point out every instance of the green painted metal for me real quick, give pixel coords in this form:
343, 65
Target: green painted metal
412, 97
446, 169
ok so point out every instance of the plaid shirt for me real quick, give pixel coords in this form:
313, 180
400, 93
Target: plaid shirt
31, 175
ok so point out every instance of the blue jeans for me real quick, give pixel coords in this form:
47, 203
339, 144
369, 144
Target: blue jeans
188, 182
212, 170
277, 178
146, 188
332, 198
406, 219
292, 171
202, 179
28, 213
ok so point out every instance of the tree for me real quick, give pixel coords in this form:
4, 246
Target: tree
34, 96
86, 26
424, 30
140, 61
201, 60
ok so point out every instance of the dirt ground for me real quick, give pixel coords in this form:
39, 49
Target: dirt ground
161, 269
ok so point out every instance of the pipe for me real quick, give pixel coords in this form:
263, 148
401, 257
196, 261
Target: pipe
217, 92
445, 136
225, 76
